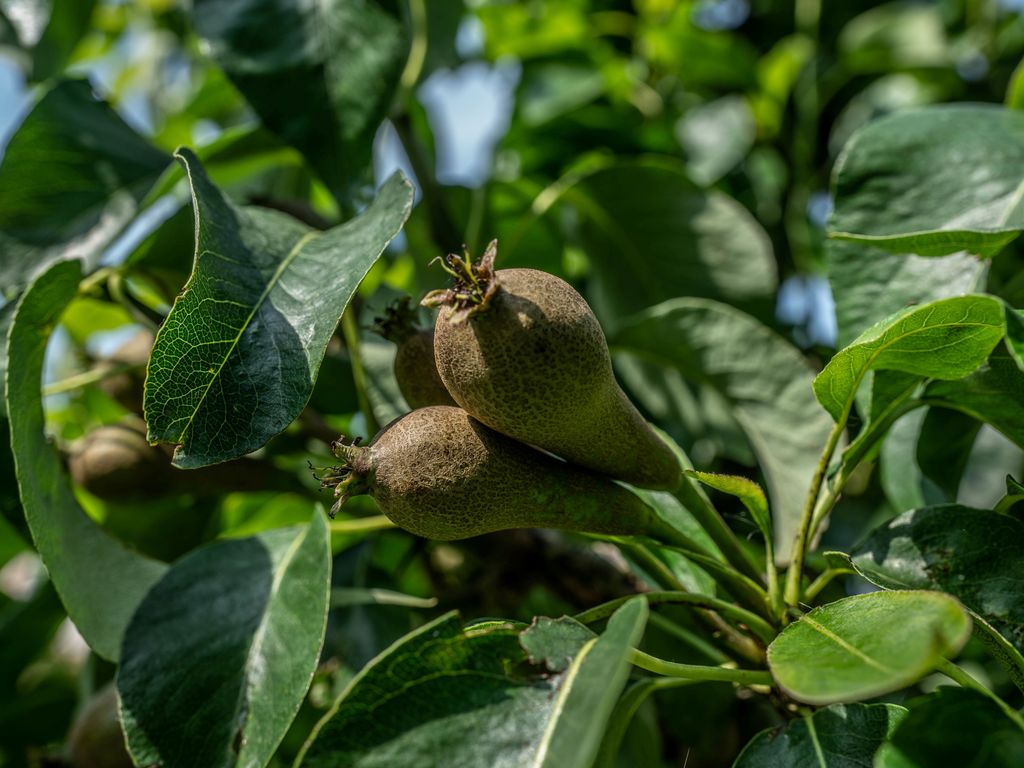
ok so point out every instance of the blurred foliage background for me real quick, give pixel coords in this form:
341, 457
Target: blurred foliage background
593, 138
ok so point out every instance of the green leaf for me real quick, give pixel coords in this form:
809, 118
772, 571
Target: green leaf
218, 656
554, 642
944, 448
975, 555
235, 361
866, 645
651, 234
993, 394
716, 137
924, 457
471, 696
747, 491
96, 171
589, 691
762, 376
946, 339
895, 36
1014, 98
440, 690
954, 726
68, 23
870, 284
1014, 495
839, 736
320, 75
99, 580
933, 181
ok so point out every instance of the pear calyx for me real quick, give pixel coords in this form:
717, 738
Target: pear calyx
474, 284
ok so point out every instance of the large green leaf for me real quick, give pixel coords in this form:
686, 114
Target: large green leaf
99, 580
651, 234
866, 645
218, 656
71, 179
954, 726
321, 75
933, 181
762, 376
440, 690
993, 394
68, 23
975, 555
946, 339
470, 696
588, 691
235, 361
839, 736
870, 284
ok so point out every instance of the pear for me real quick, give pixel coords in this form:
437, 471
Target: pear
521, 351
439, 473
115, 462
415, 370
96, 739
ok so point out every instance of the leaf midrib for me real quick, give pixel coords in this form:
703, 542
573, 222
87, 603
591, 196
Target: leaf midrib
848, 647
256, 647
846, 402
563, 695
271, 284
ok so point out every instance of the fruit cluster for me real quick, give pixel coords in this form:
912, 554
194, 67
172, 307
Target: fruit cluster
519, 421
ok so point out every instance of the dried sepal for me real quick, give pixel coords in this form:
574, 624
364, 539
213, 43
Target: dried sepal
473, 286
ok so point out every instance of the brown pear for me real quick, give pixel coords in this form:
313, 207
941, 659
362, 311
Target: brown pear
415, 370
521, 351
116, 463
439, 473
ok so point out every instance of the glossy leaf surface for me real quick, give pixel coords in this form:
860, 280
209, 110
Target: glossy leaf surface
761, 375
97, 170
954, 726
471, 695
235, 361
975, 555
99, 580
321, 75
946, 339
652, 235
220, 653
933, 181
869, 284
993, 394
839, 736
866, 645
589, 690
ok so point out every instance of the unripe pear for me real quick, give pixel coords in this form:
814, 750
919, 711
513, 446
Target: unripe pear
96, 739
116, 462
439, 473
415, 370
521, 351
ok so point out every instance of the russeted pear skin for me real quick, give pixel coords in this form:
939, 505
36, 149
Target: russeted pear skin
115, 462
532, 363
416, 372
414, 367
439, 473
